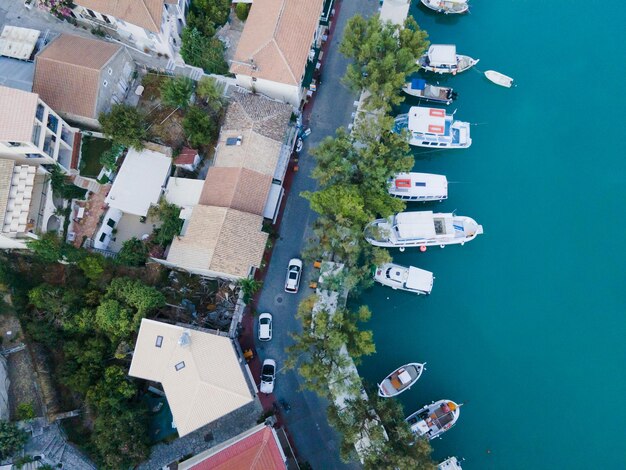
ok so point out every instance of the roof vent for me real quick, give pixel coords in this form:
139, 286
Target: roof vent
184, 340
234, 140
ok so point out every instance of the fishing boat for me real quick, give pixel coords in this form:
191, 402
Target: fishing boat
433, 420
421, 187
451, 463
410, 279
432, 127
442, 58
447, 6
424, 91
422, 228
400, 380
499, 78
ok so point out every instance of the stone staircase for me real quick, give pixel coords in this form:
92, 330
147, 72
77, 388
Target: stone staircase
87, 183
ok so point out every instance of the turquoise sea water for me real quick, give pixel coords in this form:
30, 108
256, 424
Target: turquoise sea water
527, 324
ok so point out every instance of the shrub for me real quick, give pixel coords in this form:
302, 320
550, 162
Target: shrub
134, 252
176, 92
25, 411
12, 439
242, 10
199, 128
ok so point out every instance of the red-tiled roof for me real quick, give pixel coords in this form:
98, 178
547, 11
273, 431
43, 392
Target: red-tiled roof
259, 451
186, 156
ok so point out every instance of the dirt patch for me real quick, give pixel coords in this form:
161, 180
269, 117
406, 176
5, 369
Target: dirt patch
23, 388
164, 122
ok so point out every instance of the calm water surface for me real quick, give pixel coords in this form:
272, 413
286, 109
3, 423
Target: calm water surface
527, 324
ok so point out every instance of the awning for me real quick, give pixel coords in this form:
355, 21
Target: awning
273, 202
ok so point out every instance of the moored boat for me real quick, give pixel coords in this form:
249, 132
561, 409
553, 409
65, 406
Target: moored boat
442, 58
424, 91
410, 279
422, 228
400, 380
447, 6
451, 463
499, 78
432, 127
422, 187
433, 420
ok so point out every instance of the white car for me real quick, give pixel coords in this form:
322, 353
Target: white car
294, 271
265, 327
268, 374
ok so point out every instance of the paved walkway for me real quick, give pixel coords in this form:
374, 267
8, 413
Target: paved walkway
315, 441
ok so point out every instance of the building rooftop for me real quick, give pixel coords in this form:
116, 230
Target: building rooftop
255, 449
139, 182
17, 42
187, 156
67, 73
276, 40
236, 188
264, 116
144, 13
16, 192
220, 241
200, 372
18, 116
184, 192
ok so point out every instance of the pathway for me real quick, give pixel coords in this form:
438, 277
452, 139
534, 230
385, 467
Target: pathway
315, 441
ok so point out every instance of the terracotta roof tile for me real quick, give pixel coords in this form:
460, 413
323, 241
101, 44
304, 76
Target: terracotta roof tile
67, 73
144, 13
277, 36
186, 156
258, 451
18, 114
236, 188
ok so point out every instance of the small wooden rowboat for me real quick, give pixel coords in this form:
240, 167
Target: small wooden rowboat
499, 79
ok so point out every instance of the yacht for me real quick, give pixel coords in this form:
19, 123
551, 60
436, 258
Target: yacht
410, 279
447, 6
442, 58
433, 420
422, 228
418, 88
422, 187
433, 128
400, 380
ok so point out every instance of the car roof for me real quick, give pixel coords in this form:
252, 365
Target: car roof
296, 261
265, 315
269, 361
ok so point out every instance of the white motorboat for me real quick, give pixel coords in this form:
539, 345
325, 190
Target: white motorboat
451, 463
433, 420
410, 279
424, 91
400, 380
499, 78
422, 187
432, 127
447, 6
442, 58
422, 228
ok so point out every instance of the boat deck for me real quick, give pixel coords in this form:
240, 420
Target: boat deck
393, 384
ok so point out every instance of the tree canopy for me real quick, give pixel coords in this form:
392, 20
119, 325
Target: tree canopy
383, 56
124, 125
199, 128
203, 51
134, 252
171, 223
12, 439
211, 92
176, 92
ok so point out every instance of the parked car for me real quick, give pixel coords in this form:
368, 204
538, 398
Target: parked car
294, 271
265, 327
268, 376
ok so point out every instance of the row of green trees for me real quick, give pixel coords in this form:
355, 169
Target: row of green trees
85, 312
352, 171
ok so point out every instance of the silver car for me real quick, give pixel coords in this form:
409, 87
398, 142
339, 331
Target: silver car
268, 375
265, 327
294, 271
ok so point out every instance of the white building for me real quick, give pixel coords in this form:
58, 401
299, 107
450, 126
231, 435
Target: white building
26, 207
31, 132
201, 374
152, 26
277, 46
138, 185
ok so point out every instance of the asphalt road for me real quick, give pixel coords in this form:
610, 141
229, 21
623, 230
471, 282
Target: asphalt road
315, 441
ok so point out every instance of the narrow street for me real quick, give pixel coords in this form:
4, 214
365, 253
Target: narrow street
315, 441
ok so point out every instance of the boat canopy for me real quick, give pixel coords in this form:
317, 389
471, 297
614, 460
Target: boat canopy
419, 279
420, 184
427, 120
415, 225
442, 55
418, 83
